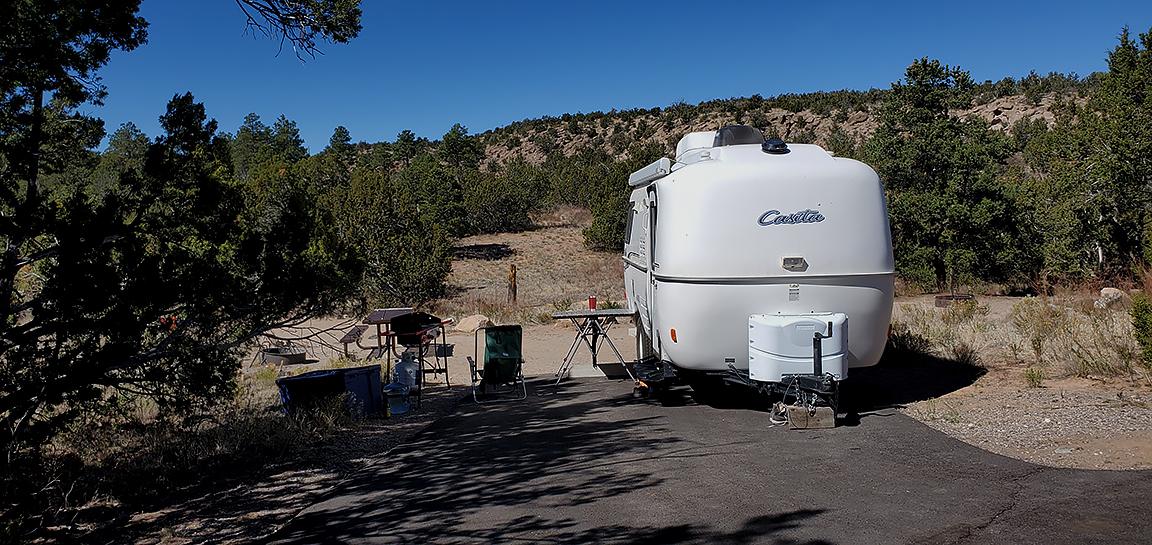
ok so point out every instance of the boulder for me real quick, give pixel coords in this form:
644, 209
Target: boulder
472, 323
1110, 297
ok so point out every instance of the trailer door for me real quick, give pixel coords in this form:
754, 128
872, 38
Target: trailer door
636, 255
648, 316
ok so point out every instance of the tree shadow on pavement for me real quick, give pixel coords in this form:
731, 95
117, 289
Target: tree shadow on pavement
473, 477
240, 502
565, 531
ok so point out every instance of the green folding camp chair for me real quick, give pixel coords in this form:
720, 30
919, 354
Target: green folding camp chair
499, 373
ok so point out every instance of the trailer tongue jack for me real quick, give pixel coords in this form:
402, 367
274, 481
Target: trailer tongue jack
807, 401
818, 350
816, 396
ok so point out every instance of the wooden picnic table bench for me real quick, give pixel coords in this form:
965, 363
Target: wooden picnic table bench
353, 336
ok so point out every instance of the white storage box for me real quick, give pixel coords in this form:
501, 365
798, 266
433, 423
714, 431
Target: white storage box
781, 345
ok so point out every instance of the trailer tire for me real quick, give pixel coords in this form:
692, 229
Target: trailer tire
708, 390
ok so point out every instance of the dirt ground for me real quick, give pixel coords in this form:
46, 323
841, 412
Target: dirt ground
1068, 421
545, 346
553, 270
1073, 423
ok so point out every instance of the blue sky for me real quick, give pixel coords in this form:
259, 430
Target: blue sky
426, 65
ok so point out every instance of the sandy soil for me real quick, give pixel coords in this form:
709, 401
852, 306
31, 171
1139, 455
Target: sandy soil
545, 347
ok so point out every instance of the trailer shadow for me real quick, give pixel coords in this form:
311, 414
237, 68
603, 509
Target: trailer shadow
472, 477
904, 377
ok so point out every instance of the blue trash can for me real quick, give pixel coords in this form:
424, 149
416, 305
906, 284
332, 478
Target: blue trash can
361, 385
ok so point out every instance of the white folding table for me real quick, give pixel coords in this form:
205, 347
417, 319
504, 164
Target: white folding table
592, 329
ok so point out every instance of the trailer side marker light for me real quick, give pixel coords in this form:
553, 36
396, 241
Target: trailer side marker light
673, 333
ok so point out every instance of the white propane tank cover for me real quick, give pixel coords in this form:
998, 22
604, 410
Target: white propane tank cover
695, 140
781, 345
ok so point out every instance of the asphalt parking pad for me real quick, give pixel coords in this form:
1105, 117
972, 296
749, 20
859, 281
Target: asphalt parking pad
586, 463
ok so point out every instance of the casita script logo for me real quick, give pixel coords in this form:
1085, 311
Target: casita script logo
774, 217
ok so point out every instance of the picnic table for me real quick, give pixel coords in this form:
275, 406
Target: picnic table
382, 319
592, 329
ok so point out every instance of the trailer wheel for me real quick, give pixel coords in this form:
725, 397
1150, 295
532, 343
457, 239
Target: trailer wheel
846, 403
708, 390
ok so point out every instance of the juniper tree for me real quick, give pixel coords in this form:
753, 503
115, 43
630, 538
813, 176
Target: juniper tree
149, 290
953, 220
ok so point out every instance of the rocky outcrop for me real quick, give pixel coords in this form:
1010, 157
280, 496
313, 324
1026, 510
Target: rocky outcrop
1004, 112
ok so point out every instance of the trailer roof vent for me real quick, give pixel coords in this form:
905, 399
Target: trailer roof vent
775, 146
737, 134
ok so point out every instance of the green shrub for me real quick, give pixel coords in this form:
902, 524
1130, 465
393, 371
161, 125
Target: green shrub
406, 249
608, 303
942, 175
1101, 344
1034, 377
609, 197
962, 312
1142, 325
964, 354
497, 204
561, 305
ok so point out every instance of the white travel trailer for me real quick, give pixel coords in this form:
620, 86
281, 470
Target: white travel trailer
761, 262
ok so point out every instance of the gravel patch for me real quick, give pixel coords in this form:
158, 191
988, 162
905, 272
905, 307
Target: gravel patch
1100, 428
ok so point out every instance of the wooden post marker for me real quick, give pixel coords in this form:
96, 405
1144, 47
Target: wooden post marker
512, 283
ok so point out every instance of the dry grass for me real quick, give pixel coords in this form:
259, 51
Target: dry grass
554, 272
1034, 377
1063, 335
563, 216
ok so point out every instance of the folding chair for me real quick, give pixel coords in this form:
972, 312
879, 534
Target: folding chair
500, 370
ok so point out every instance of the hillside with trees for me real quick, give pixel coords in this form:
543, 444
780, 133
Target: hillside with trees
838, 120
